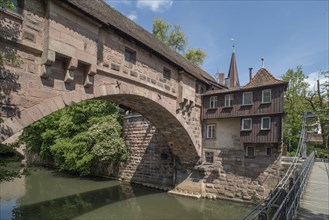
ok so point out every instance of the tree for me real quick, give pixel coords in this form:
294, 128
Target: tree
196, 56
174, 37
160, 30
78, 137
294, 105
177, 39
319, 102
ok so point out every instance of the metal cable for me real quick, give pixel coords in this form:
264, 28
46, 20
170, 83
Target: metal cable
285, 178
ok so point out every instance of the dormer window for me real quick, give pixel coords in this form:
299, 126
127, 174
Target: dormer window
266, 96
213, 102
229, 100
247, 98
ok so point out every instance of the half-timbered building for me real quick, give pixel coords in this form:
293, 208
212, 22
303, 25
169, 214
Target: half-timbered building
245, 121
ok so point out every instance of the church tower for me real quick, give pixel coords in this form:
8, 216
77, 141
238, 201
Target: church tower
233, 77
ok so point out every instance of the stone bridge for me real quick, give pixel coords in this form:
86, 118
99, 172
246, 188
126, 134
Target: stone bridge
74, 50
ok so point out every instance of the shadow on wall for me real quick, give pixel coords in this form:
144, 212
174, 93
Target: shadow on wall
9, 61
151, 160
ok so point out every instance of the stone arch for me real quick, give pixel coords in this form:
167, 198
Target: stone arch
158, 108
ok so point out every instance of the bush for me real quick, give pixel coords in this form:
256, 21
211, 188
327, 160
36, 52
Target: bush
79, 136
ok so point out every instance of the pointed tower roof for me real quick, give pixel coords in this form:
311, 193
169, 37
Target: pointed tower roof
263, 78
233, 72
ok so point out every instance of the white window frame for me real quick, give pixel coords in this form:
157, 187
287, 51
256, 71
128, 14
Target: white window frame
242, 124
269, 123
211, 131
243, 99
213, 102
229, 100
268, 155
247, 150
263, 96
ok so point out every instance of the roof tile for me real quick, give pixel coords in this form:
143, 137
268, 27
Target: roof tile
263, 78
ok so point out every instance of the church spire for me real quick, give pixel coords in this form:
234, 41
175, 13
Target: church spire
233, 72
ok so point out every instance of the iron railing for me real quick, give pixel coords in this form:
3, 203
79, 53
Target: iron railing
283, 201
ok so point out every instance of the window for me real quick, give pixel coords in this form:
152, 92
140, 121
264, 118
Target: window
200, 88
250, 152
246, 124
213, 102
166, 73
266, 96
268, 151
266, 123
229, 100
209, 157
247, 98
211, 131
130, 55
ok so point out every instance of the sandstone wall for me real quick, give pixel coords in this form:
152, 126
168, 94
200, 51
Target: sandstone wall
234, 176
150, 159
67, 57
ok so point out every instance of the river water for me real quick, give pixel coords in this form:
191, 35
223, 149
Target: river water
48, 194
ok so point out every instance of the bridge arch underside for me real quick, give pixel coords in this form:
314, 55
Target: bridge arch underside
150, 104
170, 127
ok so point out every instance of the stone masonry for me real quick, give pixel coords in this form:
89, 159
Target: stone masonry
67, 54
150, 158
66, 57
234, 176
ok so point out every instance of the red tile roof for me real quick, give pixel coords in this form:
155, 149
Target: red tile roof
263, 78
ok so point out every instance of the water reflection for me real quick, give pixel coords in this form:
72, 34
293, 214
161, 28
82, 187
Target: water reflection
51, 195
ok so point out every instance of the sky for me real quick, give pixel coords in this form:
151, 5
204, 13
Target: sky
285, 33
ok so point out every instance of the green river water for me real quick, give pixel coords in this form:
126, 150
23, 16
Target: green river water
48, 194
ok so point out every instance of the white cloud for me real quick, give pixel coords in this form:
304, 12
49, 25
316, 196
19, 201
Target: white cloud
312, 78
132, 16
155, 5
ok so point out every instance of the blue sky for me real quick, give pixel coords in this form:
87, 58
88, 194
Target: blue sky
285, 33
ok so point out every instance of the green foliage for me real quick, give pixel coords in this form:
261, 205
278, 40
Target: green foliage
7, 154
6, 174
319, 103
320, 152
196, 56
160, 29
79, 136
7, 4
174, 37
294, 105
9, 58
177, 39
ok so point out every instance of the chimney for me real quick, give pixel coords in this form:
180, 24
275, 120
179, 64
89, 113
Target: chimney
250, 73
227, 82
221, 78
